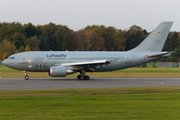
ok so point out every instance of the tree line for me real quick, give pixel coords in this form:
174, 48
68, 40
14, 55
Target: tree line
15, 37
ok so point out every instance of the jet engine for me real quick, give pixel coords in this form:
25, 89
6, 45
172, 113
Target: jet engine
58, 71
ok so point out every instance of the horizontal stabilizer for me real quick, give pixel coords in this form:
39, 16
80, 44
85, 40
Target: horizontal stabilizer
156, 56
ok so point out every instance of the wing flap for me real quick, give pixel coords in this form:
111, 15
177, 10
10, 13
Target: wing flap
90, 65
95, 62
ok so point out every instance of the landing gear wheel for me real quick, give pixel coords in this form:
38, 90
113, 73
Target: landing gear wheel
86, 77
78, 77
81, 77
26, 77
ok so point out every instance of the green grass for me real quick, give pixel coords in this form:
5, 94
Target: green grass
125, 73
104, 103
146, 103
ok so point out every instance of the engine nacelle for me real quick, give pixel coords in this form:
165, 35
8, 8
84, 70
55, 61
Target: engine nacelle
58, 71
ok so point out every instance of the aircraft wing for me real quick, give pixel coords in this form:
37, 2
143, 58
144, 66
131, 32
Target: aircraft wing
90, 65
156, 56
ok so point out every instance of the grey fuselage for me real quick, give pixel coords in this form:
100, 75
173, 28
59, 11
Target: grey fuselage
40, 61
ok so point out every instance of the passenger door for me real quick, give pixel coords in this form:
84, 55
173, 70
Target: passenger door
24, 61
128, 58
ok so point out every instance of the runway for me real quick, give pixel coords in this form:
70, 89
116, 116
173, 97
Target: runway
62, 83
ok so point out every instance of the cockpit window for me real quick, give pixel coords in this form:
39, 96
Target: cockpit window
11, 57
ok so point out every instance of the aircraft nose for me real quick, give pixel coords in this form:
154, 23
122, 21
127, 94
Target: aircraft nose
4, 62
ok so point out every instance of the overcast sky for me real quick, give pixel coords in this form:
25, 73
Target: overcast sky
78, 14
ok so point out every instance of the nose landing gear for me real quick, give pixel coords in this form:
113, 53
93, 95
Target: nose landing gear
26, 75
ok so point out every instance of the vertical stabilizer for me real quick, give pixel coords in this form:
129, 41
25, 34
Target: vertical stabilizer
155, 41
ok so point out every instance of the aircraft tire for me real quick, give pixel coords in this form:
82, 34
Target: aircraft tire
86, 77
78, 77
81, 77
26, 77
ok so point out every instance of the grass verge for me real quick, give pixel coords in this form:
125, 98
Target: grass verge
160, 103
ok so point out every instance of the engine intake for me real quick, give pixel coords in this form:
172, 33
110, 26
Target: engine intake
58, 71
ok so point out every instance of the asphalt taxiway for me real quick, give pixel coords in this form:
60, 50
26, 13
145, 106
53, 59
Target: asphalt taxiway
62, 83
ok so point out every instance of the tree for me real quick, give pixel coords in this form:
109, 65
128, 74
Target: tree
18, 39
101, 31
93, 42
8, 29
43, 45
135, 36
0, 25
22, 49
39, 30
32, 43
6, 49
79, 38
110, 31
48, 31
172, 42
119, 41
12, 50
28, 48
63, 37
113, 39
30, 30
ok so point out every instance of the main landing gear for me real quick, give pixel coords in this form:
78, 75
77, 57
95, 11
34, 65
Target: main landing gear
26, 75
82, 75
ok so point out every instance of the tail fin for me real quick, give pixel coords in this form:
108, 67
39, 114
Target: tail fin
155, 41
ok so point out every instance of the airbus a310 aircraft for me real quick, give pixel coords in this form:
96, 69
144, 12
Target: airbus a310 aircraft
61, 63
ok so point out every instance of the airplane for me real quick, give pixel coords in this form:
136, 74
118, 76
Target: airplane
62, 63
